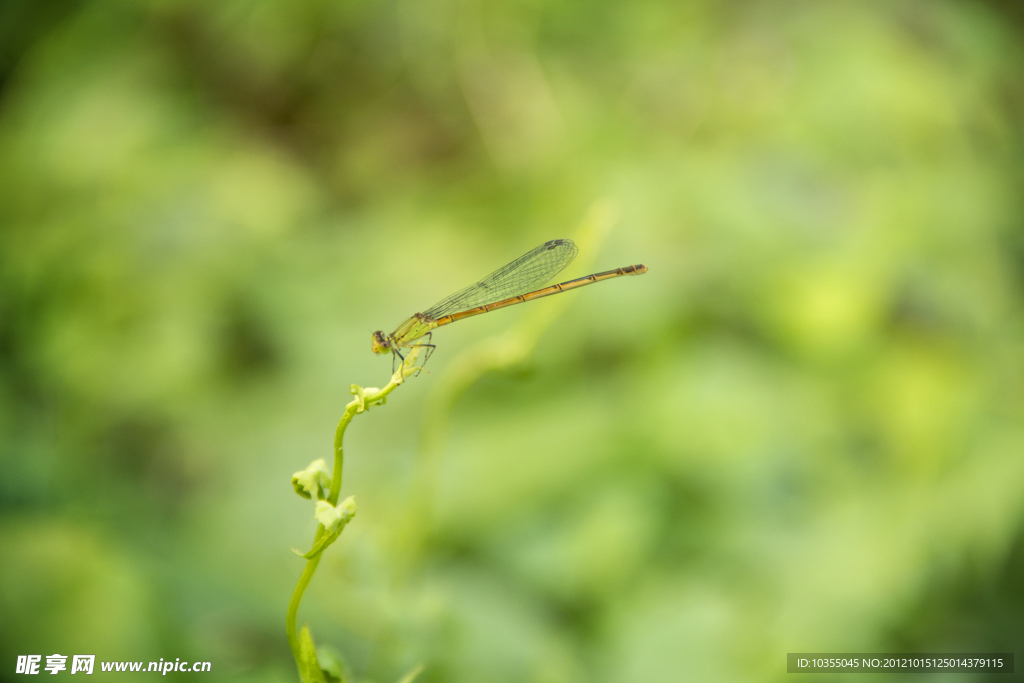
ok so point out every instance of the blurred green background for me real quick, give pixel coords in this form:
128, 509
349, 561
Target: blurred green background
800, 431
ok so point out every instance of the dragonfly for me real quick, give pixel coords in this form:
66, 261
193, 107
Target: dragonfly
512, 284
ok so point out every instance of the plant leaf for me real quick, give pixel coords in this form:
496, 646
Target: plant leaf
309, 668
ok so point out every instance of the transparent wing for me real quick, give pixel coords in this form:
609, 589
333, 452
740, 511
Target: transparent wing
525, 274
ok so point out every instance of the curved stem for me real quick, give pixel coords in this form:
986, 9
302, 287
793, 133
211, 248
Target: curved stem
293, 604
339, 456
362, 402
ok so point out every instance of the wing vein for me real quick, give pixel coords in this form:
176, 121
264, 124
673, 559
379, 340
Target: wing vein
525, 274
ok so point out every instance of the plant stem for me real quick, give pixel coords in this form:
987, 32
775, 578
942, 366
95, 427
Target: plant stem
339, 456
364, 400
293, 604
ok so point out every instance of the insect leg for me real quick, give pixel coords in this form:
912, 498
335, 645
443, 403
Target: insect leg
430, 351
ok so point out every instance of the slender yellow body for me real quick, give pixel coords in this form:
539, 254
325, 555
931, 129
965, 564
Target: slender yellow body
421, 325
638, 269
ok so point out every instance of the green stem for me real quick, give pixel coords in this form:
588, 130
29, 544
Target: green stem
293, 605
363, 401
339, 456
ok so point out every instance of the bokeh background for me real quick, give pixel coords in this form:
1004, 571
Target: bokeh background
800, 431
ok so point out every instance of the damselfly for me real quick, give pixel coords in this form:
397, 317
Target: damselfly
507, 286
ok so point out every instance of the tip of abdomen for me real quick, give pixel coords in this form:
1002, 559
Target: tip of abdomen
639, 269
